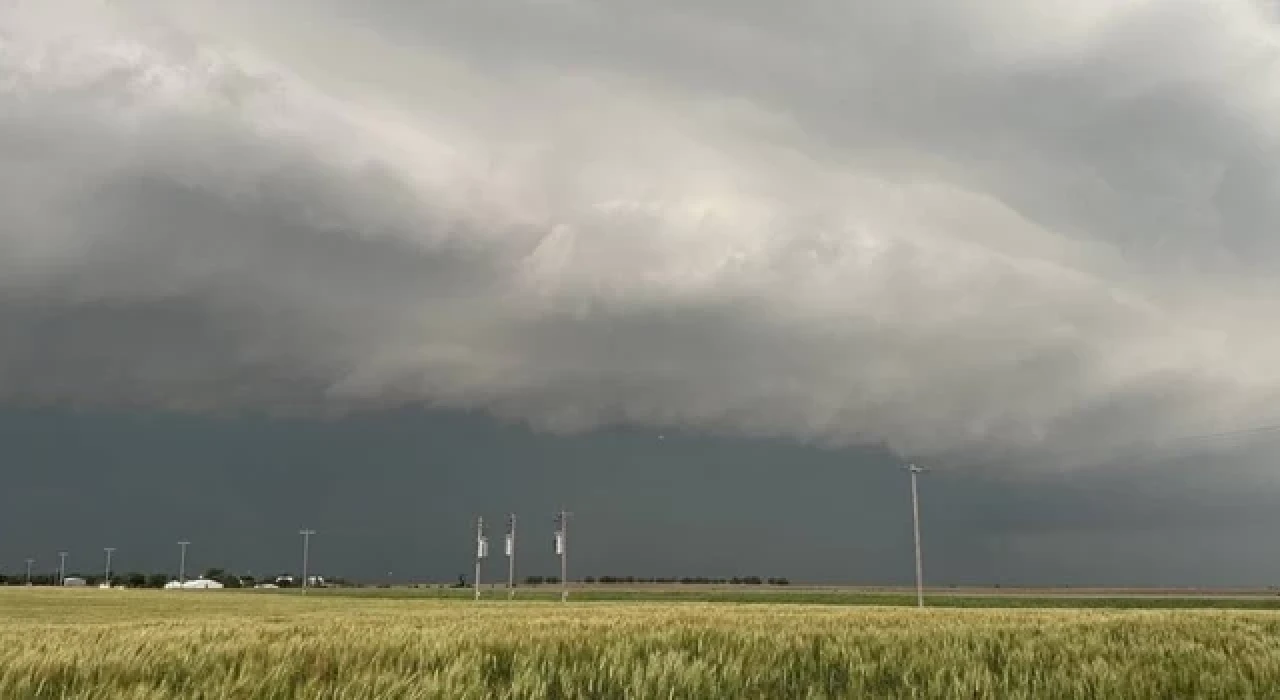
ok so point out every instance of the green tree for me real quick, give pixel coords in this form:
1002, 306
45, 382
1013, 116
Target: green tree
157, 580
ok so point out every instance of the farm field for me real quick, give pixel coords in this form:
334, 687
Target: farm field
948, 598
79, 644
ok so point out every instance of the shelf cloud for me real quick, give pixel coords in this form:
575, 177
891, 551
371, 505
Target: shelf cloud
941, 226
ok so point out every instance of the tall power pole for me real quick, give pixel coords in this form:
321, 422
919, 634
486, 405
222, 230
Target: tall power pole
511, 556
915, 471
30, 561
306, 554
182, 562
109, 551
62, 568
562, 549
482, 551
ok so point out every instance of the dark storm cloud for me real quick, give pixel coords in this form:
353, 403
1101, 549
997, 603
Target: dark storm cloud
982, 225
398, 491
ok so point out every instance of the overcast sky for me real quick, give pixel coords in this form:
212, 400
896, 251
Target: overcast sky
1031, 245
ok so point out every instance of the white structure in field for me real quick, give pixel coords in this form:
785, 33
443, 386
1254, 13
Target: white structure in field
194, 583
73, 582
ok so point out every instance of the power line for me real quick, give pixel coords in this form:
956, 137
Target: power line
182, 564
915, 470
306, 555
109, 551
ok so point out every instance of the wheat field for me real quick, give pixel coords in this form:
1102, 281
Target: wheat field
173, 644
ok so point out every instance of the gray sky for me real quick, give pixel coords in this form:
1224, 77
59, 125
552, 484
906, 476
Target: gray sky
1039, 239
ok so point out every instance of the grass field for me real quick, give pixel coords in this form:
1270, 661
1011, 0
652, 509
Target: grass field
170, 644
1035, 599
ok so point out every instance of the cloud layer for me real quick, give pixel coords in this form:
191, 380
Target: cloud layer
939, 225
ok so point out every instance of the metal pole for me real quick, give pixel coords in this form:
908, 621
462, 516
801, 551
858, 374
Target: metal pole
479, 552
62, 568
29, 563
306, 553
564, 556
915, 521
182, 563
511, 558
108, 550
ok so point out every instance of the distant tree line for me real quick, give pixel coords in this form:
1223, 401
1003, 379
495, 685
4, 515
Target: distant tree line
686, 580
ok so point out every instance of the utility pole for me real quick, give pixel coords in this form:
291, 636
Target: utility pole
915, 471
562, 549
306, 553
62, 568
30, 561
482, 551
182, 563
109, 551
511, 556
